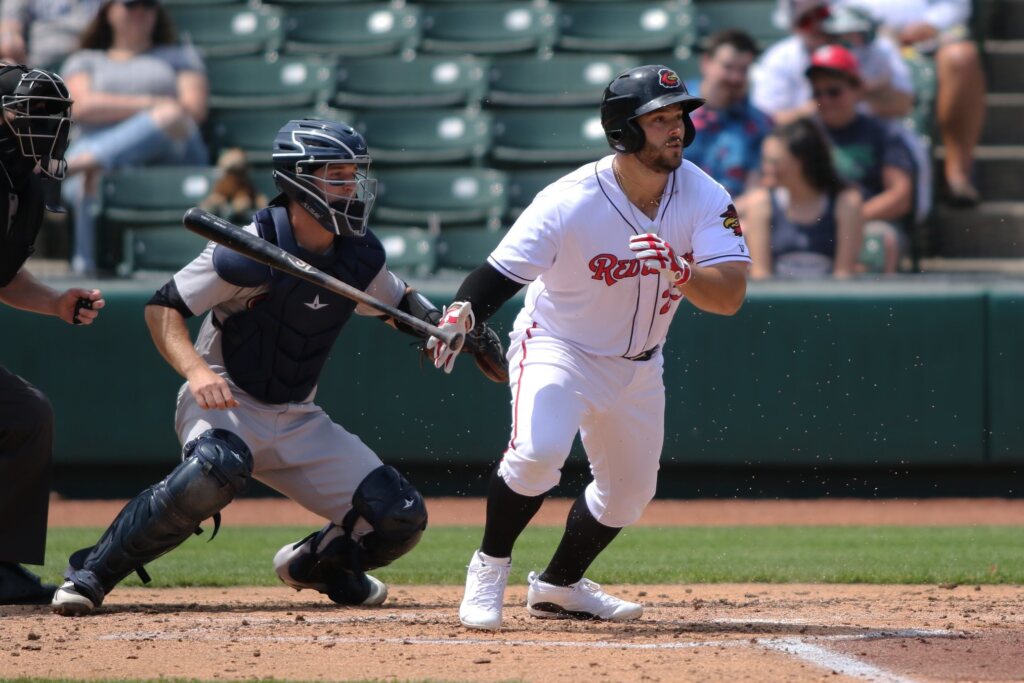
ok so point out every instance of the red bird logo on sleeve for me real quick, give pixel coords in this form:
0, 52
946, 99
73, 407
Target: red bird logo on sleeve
731, 221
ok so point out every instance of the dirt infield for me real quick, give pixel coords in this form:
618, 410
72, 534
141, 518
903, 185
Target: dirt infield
699, 632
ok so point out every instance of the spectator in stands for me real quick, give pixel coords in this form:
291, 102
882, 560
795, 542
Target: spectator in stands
806, 220
867, 150
780, 89
731, 129
939, 28
139, 99
42, 32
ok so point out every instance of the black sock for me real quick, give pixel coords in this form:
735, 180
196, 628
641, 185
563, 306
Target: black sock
582, 542
508, 513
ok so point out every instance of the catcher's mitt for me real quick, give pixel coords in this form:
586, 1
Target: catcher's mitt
484, 344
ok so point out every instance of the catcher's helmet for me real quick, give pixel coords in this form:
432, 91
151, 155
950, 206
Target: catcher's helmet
640, 90
37, 110
305, 145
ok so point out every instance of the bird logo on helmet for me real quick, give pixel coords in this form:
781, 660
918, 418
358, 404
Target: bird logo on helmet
37, 111
636, 92
324, 166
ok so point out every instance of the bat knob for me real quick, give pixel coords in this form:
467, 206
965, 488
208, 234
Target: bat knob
458, 340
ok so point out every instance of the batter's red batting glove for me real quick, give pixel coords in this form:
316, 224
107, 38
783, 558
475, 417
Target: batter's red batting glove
654, 251
457, 315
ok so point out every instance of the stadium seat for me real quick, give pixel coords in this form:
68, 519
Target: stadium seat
141, 198
426, 81
525, 183
425, 136
253, 130
228, 30
489, 28
438, 197
555, 136
165, 248
562, 79
352, 30
466, 248
627, 27
286, 81
174, 4
752, 16
410, 251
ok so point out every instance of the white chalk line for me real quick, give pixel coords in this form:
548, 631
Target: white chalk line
808, 648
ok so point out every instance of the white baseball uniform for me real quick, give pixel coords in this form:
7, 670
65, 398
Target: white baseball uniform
297, 449
591, 309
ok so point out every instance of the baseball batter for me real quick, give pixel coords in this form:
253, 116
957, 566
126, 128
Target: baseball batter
247, 410
607, 253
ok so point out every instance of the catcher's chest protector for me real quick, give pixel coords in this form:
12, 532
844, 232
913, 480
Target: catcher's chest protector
277, 348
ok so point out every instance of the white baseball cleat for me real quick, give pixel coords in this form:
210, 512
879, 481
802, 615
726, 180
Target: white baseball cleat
68, 602
581, 600
486, 579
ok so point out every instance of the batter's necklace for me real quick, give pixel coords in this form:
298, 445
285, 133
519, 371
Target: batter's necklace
652, 203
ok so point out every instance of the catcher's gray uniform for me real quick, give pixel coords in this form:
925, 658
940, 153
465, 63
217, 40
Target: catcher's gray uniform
297, 449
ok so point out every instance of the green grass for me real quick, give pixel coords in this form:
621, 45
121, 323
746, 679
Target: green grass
243, 555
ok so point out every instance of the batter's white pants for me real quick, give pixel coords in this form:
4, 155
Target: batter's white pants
296, 448
617, 405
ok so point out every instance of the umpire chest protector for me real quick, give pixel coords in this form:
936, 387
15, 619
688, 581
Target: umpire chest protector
276, 349
21, 215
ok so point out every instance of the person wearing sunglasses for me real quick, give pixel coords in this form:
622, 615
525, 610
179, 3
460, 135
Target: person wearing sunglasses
139, 100
868, 151
778, 85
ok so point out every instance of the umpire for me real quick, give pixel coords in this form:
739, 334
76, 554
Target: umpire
33, 136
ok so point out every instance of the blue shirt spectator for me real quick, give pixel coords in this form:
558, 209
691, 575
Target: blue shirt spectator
731, 129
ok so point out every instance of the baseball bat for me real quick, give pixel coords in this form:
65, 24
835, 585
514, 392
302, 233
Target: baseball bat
235, 238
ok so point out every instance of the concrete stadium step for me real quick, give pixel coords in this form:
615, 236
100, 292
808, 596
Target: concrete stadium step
999, 171
991, 230
1004, 60
1004, 121
1006, 18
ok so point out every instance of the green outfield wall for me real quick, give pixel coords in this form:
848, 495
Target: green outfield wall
822, 375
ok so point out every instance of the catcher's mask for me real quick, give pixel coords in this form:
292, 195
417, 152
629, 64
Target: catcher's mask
38, 114
339, 198
636, 92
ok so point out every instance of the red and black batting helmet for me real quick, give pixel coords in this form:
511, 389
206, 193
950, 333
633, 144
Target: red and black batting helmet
636, 92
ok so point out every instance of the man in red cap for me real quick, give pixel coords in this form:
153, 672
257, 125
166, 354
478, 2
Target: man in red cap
868, 150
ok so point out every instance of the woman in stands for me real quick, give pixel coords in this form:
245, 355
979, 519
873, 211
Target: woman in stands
805, 221
139, 99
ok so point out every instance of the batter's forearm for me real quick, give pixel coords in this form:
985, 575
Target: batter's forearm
718, 289
172, 339
487, 290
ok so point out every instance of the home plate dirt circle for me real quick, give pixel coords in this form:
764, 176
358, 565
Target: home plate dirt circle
720, 632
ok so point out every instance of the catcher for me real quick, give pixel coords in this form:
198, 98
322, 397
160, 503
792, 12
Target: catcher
246, 409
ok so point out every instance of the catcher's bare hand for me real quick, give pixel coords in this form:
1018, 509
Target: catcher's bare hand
456, 316
210, 390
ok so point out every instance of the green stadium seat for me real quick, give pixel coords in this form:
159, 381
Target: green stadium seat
425, 136
352, 30
555, 136
229, 30
139, 198
489, 28
166, 248
285, 81
426, 81
525, 183
627, 27
442, 196
410, 251
753, 16
253, 130
561, 79
466, 248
